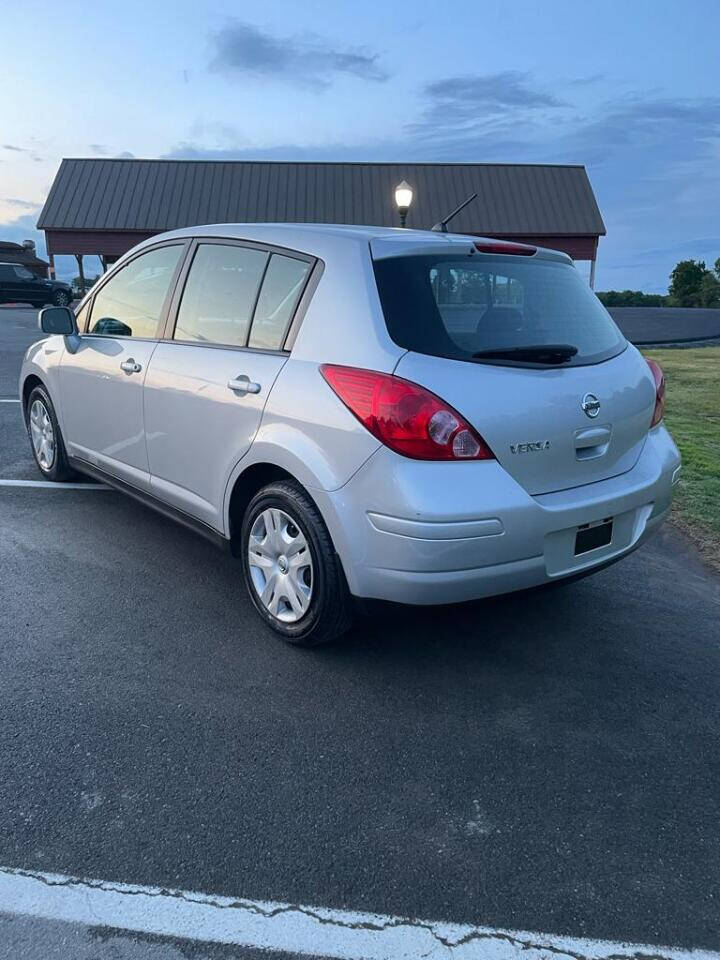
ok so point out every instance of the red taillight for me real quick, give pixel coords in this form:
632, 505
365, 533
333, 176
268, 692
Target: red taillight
518, 249
406, 417
659, 378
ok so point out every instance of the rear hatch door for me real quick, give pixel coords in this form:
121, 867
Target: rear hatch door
533, 419
554, 420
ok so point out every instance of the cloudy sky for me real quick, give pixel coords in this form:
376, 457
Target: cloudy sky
631, 89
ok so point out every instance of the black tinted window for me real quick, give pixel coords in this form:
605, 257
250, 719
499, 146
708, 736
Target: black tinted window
6, 272
24, 273
283, 284
130, 304
451, 307
220, 294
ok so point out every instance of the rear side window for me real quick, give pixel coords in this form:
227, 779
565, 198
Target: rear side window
220, 294
282, 287
447, 306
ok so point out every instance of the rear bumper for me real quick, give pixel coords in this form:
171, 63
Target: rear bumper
426, 533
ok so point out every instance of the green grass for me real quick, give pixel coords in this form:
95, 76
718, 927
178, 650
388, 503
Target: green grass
693, 417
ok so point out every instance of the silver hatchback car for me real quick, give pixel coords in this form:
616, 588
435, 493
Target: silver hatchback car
359, 412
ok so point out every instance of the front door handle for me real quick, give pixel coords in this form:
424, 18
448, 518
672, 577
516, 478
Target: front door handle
129, 366
243, 384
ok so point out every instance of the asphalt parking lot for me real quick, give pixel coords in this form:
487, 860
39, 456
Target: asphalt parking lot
546, 761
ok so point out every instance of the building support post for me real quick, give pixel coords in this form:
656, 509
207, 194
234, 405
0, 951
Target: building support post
593, 261
81, 272
51, 265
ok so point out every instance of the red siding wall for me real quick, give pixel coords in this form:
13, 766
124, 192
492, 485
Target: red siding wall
109, 243
579, 248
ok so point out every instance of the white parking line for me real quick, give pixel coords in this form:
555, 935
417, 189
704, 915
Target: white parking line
8, 400
292, 928
49, 485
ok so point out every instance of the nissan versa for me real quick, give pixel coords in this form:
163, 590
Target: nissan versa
359, 412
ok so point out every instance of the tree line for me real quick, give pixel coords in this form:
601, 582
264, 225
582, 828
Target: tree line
692, 284
81, 287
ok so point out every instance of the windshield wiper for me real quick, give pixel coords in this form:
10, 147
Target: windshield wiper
541, 353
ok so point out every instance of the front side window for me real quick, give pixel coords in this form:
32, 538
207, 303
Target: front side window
466, 307
282, 287
131, 303
220, 294
24, 273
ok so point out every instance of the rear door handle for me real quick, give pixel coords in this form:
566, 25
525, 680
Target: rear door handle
243, 384
129, 366
592, 442
591, 437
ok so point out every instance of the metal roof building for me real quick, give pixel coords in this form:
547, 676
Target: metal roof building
104, 207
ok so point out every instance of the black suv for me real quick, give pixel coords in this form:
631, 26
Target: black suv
20, 285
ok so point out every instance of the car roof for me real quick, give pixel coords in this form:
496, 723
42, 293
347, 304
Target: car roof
288, 231
351, 230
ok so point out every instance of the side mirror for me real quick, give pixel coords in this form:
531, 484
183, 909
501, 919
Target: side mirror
58, 320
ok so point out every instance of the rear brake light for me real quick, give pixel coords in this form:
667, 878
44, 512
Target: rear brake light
659, 378
407, 418
518, 249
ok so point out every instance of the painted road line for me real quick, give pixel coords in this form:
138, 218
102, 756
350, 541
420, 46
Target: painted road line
292, 928
8, 400
49, 485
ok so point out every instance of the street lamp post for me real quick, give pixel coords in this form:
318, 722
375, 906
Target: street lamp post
403, 199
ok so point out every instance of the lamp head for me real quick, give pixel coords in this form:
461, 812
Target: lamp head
403, 196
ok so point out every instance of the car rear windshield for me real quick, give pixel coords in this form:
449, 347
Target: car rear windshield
462, 307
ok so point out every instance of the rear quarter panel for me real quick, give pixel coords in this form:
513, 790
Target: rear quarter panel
344, 322
307, 431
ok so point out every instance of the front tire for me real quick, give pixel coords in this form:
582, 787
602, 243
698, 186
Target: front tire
46, 438
291, 570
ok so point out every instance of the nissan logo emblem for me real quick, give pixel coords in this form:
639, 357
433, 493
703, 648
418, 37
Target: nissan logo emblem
590, 405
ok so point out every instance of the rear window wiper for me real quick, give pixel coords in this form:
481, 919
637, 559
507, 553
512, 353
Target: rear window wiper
541, 353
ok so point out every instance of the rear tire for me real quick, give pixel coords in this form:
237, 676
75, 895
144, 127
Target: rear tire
61, 299
46, 438
291, 570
